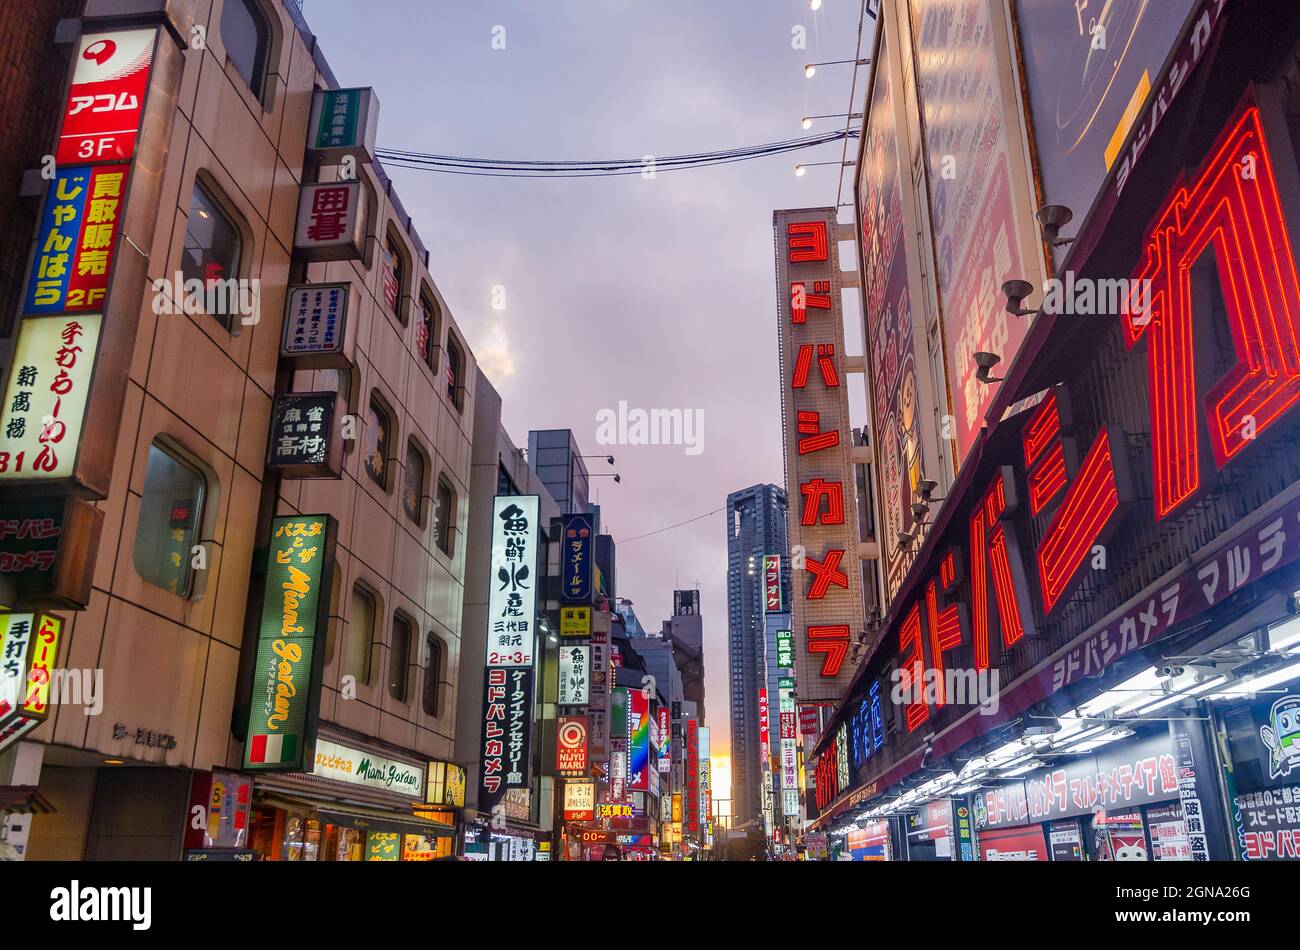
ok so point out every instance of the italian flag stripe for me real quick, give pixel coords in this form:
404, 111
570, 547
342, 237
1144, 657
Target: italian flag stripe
272, 749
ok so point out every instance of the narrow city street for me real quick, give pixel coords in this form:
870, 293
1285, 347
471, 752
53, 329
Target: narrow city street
542, 433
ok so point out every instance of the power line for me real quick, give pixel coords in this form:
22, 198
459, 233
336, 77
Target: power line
672, 526
599, 168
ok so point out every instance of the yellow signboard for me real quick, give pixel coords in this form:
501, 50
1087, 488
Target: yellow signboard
575, 621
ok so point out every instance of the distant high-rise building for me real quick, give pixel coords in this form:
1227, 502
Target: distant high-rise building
755, 528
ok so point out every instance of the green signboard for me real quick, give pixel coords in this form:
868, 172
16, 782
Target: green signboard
287, 671
784, 650
339, 114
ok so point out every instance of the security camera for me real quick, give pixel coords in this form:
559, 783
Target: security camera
1016, 291
985, 362
1172, 671
1051, 218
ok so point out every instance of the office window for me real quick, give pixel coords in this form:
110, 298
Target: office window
433, 659
444, 513
170, 514
398, 658
393, 276
426, 334
379, 426
361, 635
246, 34
455, 373
212, 251
413, 483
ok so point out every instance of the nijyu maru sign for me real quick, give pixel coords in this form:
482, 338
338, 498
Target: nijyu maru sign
287, 672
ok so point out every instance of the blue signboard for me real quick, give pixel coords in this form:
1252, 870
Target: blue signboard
577, 558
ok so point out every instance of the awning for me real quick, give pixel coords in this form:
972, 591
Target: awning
25, 800
351, 814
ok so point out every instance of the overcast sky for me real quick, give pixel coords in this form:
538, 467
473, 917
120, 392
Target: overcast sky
657, 292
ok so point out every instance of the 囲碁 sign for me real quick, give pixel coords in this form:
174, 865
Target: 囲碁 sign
287, 670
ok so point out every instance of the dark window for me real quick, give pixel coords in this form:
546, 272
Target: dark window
432, 674
379, 435
211, 255
393, 277
398, 657
170, 511
361, 635
426, 334
444, 515
246, 34
505, 484
413, 483
455, 372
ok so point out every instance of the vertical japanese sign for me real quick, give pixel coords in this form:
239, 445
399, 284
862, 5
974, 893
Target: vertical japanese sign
315, 325
619, 741
29, 649
330, 221
512, 600
507, 733
827, 595
288, 667
692, 776
638, 770
665, 742
76, 241
890, 346
571, 746
505, 762
789, 747
784, 650
101, 118
577, 558
575, 675
764, 731
773, 599
973, 207
45, 396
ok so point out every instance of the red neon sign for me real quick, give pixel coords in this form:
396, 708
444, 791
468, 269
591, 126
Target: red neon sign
833, 640
1085, 512
807, 242
1233, 208
814, 493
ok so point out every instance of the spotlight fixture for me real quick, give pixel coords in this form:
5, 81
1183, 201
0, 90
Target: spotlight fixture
985, 362
919, 510
1051, 218
800, 171
814, 4
810, 70
904, 540
1016, 291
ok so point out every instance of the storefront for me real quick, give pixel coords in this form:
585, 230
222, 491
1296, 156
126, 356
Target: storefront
359, 803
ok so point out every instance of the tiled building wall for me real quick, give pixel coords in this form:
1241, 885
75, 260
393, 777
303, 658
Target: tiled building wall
171, 664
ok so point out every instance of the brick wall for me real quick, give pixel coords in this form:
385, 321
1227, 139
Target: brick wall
32, 76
